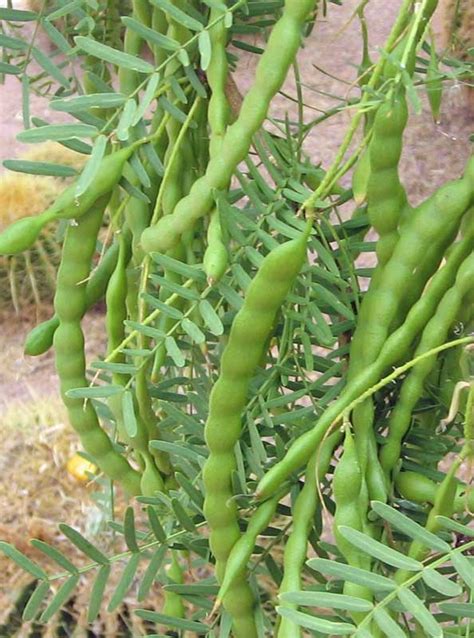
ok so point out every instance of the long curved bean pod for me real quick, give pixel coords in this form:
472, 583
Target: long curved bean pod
40, 339
70, 306
434, 334
270, 75
248, 336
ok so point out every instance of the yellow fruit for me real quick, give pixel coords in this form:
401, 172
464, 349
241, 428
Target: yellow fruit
80, 468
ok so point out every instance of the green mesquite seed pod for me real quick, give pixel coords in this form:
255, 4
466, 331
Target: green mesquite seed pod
248, 336
269, 77
40, 339
70, 306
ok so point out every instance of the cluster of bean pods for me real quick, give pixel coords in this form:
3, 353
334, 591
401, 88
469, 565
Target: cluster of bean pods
421, 286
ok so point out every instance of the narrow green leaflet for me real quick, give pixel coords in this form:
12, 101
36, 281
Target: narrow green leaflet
440, 583
129, 530
409, 527
69, 7
189, 452
96, 392
56, 36
155, 525
147, 98
23, 561
455, 526
316, 624
416, 607
48, 65
92, 167
170, 621
150, 35
85, 546
8, 42
325, 599
56, 132
387, 624
129, 418
150, 573
126, 119
459, 610
97, 593
39, 168
174, 352
55, 555
463, 567
35, 601
16, 15
180, 16
108, 54
62, 596
193, 331
356, 575
379, 550
9, 69
85, 102
210, 318
205, 49
125, 582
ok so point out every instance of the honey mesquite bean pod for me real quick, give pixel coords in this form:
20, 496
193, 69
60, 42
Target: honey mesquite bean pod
216, 257
40, 339
243, 352
70, 306
420, 489
22, 234
434, 334
269, 77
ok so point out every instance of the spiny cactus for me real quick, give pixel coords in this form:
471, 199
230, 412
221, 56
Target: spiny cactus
29, 278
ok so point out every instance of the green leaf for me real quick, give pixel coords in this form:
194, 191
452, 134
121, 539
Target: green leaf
460, 610
150, 35
328, 298
170, 621
166, 309
97, 392
178, 267
92, 167
211, 318
9, 69
147, 98
455, 526
316, 624
97, 593
409, 527
56, 36
379, 551
463, 567
108, 54
150, 573
56, 132
129, 530
205, 49
173, 110
55, 555
356, 575
155, 525
60, 598
174, 352
46, 63
178, 450
12, 43
193, 331
16, 15
386, 623
416, 607
85, 546
183, 517
125, 582
39, 168
325, 599
81, 103
440, 583
34, 602
126, 119
129, 419
22, 561
178, 15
